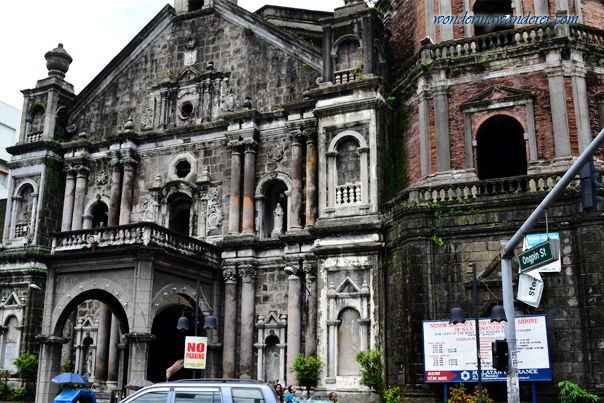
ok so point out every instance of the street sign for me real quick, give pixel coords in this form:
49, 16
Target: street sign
530, 288
450, 350
540, 255
532, 240
195, 352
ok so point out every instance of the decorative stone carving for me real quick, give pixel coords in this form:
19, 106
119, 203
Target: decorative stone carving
157, 181
82, 171
129, 126
249, 271
101, 177
278, 221
229, 275
191, 42
151, 209
72, 129
190, 58
227, 101
214, 215
275, 152
309, 268
247, 104
147, 119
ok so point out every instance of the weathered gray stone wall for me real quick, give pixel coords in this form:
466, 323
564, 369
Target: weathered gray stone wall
425, 281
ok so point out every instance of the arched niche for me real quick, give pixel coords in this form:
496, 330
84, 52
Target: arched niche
11, 340
24, 210
96, 212
347, 53
350, 341
347, 175
272, 190
35, 123
501, 149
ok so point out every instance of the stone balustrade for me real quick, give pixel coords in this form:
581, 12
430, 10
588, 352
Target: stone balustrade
476, 190
146, 234
348, 194
346, 76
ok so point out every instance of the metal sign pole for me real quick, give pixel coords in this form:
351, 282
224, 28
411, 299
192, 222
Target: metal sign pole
507, 253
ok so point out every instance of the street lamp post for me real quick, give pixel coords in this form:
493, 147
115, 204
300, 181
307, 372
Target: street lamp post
457, 316
209, 322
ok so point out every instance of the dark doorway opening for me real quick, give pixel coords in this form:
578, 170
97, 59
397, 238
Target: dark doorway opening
491, 9
169, 344
180, 214
100, 215
500, 148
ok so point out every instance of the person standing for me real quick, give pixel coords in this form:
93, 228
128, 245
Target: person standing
292, 394
333, 396
279, 390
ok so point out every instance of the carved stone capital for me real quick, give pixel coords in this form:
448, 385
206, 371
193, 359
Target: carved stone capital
229, 275
235, 147
82, 171
128, 163
297, 137
250, 145
248, 272
70, 171
309, 267
114, 164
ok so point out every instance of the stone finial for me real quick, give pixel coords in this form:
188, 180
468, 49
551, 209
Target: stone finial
248, 102
129, 125
157, 181
205, 176
306, 94
210, 66
58, 61
331, 291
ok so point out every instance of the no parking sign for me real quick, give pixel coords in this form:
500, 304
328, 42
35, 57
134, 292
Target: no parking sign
195, 352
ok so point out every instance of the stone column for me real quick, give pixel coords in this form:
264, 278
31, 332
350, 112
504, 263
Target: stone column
248, 296
114, 359
138, 354
332, 325
331, 181
296, 170
310, 273
127, 187
424, 134
102, 344
311, 177
294, 324
50, 355
80, 194
15, 200
235, 202
557, 96
68, 200
116, 192
581, 104
441, 127
249, 180
230, 322
327, 64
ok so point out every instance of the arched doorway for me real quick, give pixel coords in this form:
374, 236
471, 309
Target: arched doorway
500, 148
100, 214
491, 9
169, 344
180, 213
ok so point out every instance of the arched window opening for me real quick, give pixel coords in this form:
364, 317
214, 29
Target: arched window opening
491, 10
100, 215
195, 5
24, 211
349, 342
348, 54
180, 214
348, 168
275, 210
35, 124
11, 340
500, 148
273, 360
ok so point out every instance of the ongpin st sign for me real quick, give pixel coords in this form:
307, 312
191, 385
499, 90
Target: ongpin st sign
540, 255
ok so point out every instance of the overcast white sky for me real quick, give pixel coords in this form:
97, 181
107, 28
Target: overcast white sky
92, 32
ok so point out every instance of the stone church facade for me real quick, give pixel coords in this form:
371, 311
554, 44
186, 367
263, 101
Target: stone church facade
371, 152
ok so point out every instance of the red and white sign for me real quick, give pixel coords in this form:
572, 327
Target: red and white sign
195, 352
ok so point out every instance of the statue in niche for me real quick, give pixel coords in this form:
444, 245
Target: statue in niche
150, 209
277, 221
88, 364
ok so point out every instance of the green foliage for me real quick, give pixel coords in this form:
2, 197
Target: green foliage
247, 32
428, 65
436, 240
456, 212
391, 101
358, 71
167, 74
17, 395
372, 371
395, 158
571, 393
67, 367
307, 370
458, 395
28, 366
4, 389
307, 69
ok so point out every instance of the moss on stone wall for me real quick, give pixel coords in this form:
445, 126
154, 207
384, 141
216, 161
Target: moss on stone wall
395, 158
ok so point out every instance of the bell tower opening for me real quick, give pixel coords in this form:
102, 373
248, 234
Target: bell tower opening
500, 148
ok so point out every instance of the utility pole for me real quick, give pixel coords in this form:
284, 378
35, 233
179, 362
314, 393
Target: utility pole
507, 253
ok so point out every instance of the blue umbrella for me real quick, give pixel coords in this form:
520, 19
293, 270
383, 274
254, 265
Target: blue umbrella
70, 378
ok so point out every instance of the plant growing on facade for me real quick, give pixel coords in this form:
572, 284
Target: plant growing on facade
307, 371
28, 366
571, 393
372, 376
